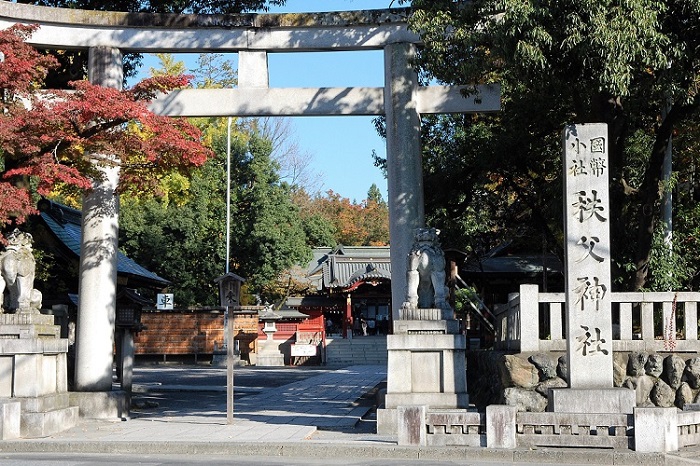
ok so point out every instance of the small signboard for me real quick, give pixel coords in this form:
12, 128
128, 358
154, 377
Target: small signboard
303, 350
165, 301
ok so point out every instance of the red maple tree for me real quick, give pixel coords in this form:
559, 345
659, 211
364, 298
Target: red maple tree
54, 138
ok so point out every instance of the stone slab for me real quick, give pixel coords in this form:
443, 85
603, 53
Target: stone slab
433, 400
6, 375
43, 424
411, 423
101, 405
387, 421
500, 426
426, 342
26, 319
10, 420
587, 247
33, 346
604, 401
655, 429
44, 403
270, 360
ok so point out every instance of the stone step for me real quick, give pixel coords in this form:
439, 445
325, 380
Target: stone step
358, 350
44, 424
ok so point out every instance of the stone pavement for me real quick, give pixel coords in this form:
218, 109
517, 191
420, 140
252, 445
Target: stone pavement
324, 415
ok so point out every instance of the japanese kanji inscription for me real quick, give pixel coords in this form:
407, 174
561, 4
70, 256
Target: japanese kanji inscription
586, 204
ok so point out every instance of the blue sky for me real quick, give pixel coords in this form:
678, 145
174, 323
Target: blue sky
340, 147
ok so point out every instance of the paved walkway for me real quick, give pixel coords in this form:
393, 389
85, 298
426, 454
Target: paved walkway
320, 416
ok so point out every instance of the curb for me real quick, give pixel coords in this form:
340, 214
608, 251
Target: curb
367, 449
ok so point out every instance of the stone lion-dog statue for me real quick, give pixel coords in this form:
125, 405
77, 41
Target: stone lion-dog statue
426, 287
17, 269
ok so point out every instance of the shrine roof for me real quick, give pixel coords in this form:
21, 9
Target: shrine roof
343, 266
64, 222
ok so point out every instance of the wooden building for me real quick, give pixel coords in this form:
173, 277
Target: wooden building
349, 283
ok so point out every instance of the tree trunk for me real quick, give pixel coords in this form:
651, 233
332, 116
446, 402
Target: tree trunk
650, 194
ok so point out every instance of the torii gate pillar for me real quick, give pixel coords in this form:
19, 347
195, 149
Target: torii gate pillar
98, 257
404, 165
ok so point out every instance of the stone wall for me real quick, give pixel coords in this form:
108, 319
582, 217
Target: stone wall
523, 380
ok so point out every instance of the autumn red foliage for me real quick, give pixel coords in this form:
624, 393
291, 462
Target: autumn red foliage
52, 139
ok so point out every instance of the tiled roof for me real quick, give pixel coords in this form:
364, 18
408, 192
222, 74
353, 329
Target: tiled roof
64, 222
343, 266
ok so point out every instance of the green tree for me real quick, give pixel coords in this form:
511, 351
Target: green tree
183, 242
181, 236
269, 236
562, 62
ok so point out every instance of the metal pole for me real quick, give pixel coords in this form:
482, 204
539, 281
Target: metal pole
228, 195
228, 319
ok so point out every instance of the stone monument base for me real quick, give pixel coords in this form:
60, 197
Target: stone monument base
33, 364
112, 405
426, 367
592, 400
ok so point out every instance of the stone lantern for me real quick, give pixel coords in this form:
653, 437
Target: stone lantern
269, 354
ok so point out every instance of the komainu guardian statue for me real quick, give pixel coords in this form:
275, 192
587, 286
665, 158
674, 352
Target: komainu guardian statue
426, 288
17, 267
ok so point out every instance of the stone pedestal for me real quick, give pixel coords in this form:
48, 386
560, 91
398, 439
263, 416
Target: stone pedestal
590, 401
33, 373
269, 354
426, 367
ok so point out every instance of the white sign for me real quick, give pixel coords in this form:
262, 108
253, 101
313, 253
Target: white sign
165, 301
303, 350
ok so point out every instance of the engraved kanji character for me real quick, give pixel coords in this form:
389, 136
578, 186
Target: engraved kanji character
578, 168
598, 145
598, 166
589, 244
589, 346
588, 207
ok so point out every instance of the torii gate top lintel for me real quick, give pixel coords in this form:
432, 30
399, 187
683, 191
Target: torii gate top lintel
168, 20
151, 32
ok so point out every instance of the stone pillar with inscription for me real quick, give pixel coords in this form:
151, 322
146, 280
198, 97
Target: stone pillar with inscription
588, 279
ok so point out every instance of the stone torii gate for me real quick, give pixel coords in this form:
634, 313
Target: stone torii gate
107, 35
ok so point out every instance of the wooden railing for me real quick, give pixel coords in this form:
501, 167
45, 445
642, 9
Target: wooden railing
652, 322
